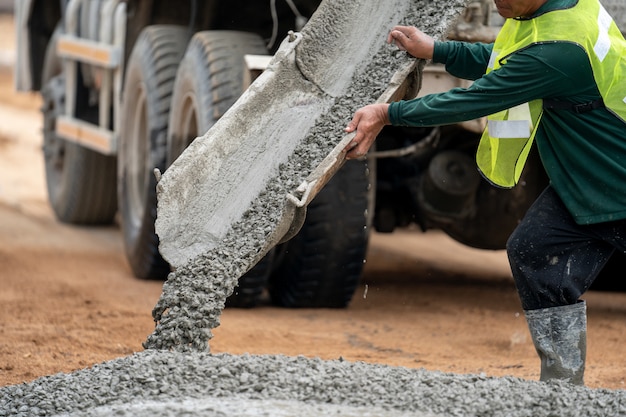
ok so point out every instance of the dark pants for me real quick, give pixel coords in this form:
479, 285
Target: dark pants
553, 259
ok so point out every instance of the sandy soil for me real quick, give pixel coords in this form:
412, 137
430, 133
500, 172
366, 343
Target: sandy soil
69, 300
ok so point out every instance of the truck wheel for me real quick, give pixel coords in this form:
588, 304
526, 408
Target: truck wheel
322, 265
208, 82
147, 95
80, 182
611, 276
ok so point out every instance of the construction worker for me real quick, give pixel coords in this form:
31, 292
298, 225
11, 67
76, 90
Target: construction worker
555, 77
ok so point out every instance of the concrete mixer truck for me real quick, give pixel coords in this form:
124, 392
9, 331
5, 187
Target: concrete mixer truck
127, 85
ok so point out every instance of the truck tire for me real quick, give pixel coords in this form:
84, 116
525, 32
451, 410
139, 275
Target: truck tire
146, 96
208, 82
322, 265
611, 277
81, 183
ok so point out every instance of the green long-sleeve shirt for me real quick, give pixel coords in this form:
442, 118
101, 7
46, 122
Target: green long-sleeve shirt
583, 154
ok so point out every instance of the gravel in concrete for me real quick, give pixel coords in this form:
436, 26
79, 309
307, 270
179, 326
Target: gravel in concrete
158, 383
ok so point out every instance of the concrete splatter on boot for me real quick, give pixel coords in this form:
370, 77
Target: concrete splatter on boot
560, 337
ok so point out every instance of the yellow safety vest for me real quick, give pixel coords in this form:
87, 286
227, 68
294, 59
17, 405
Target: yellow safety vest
508, 137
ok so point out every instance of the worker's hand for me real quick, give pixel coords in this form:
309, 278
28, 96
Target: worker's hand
367, 122
412, 40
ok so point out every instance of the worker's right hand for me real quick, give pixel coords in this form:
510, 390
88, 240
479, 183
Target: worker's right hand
366, 123
412, 40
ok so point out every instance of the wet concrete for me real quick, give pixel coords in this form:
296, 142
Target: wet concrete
153, 383
236, 234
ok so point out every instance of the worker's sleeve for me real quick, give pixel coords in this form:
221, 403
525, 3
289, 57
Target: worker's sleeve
541, 71
462, 59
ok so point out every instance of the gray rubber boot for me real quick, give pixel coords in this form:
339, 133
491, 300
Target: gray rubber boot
560, 337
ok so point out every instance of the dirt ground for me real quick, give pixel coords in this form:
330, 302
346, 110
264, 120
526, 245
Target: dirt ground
68, 299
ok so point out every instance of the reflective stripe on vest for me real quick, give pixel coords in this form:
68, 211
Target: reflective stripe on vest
508, 137
506, 143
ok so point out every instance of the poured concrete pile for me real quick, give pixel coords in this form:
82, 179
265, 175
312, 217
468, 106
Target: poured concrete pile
154, 384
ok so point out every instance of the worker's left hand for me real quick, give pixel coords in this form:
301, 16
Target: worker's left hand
412, 40
367, 122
